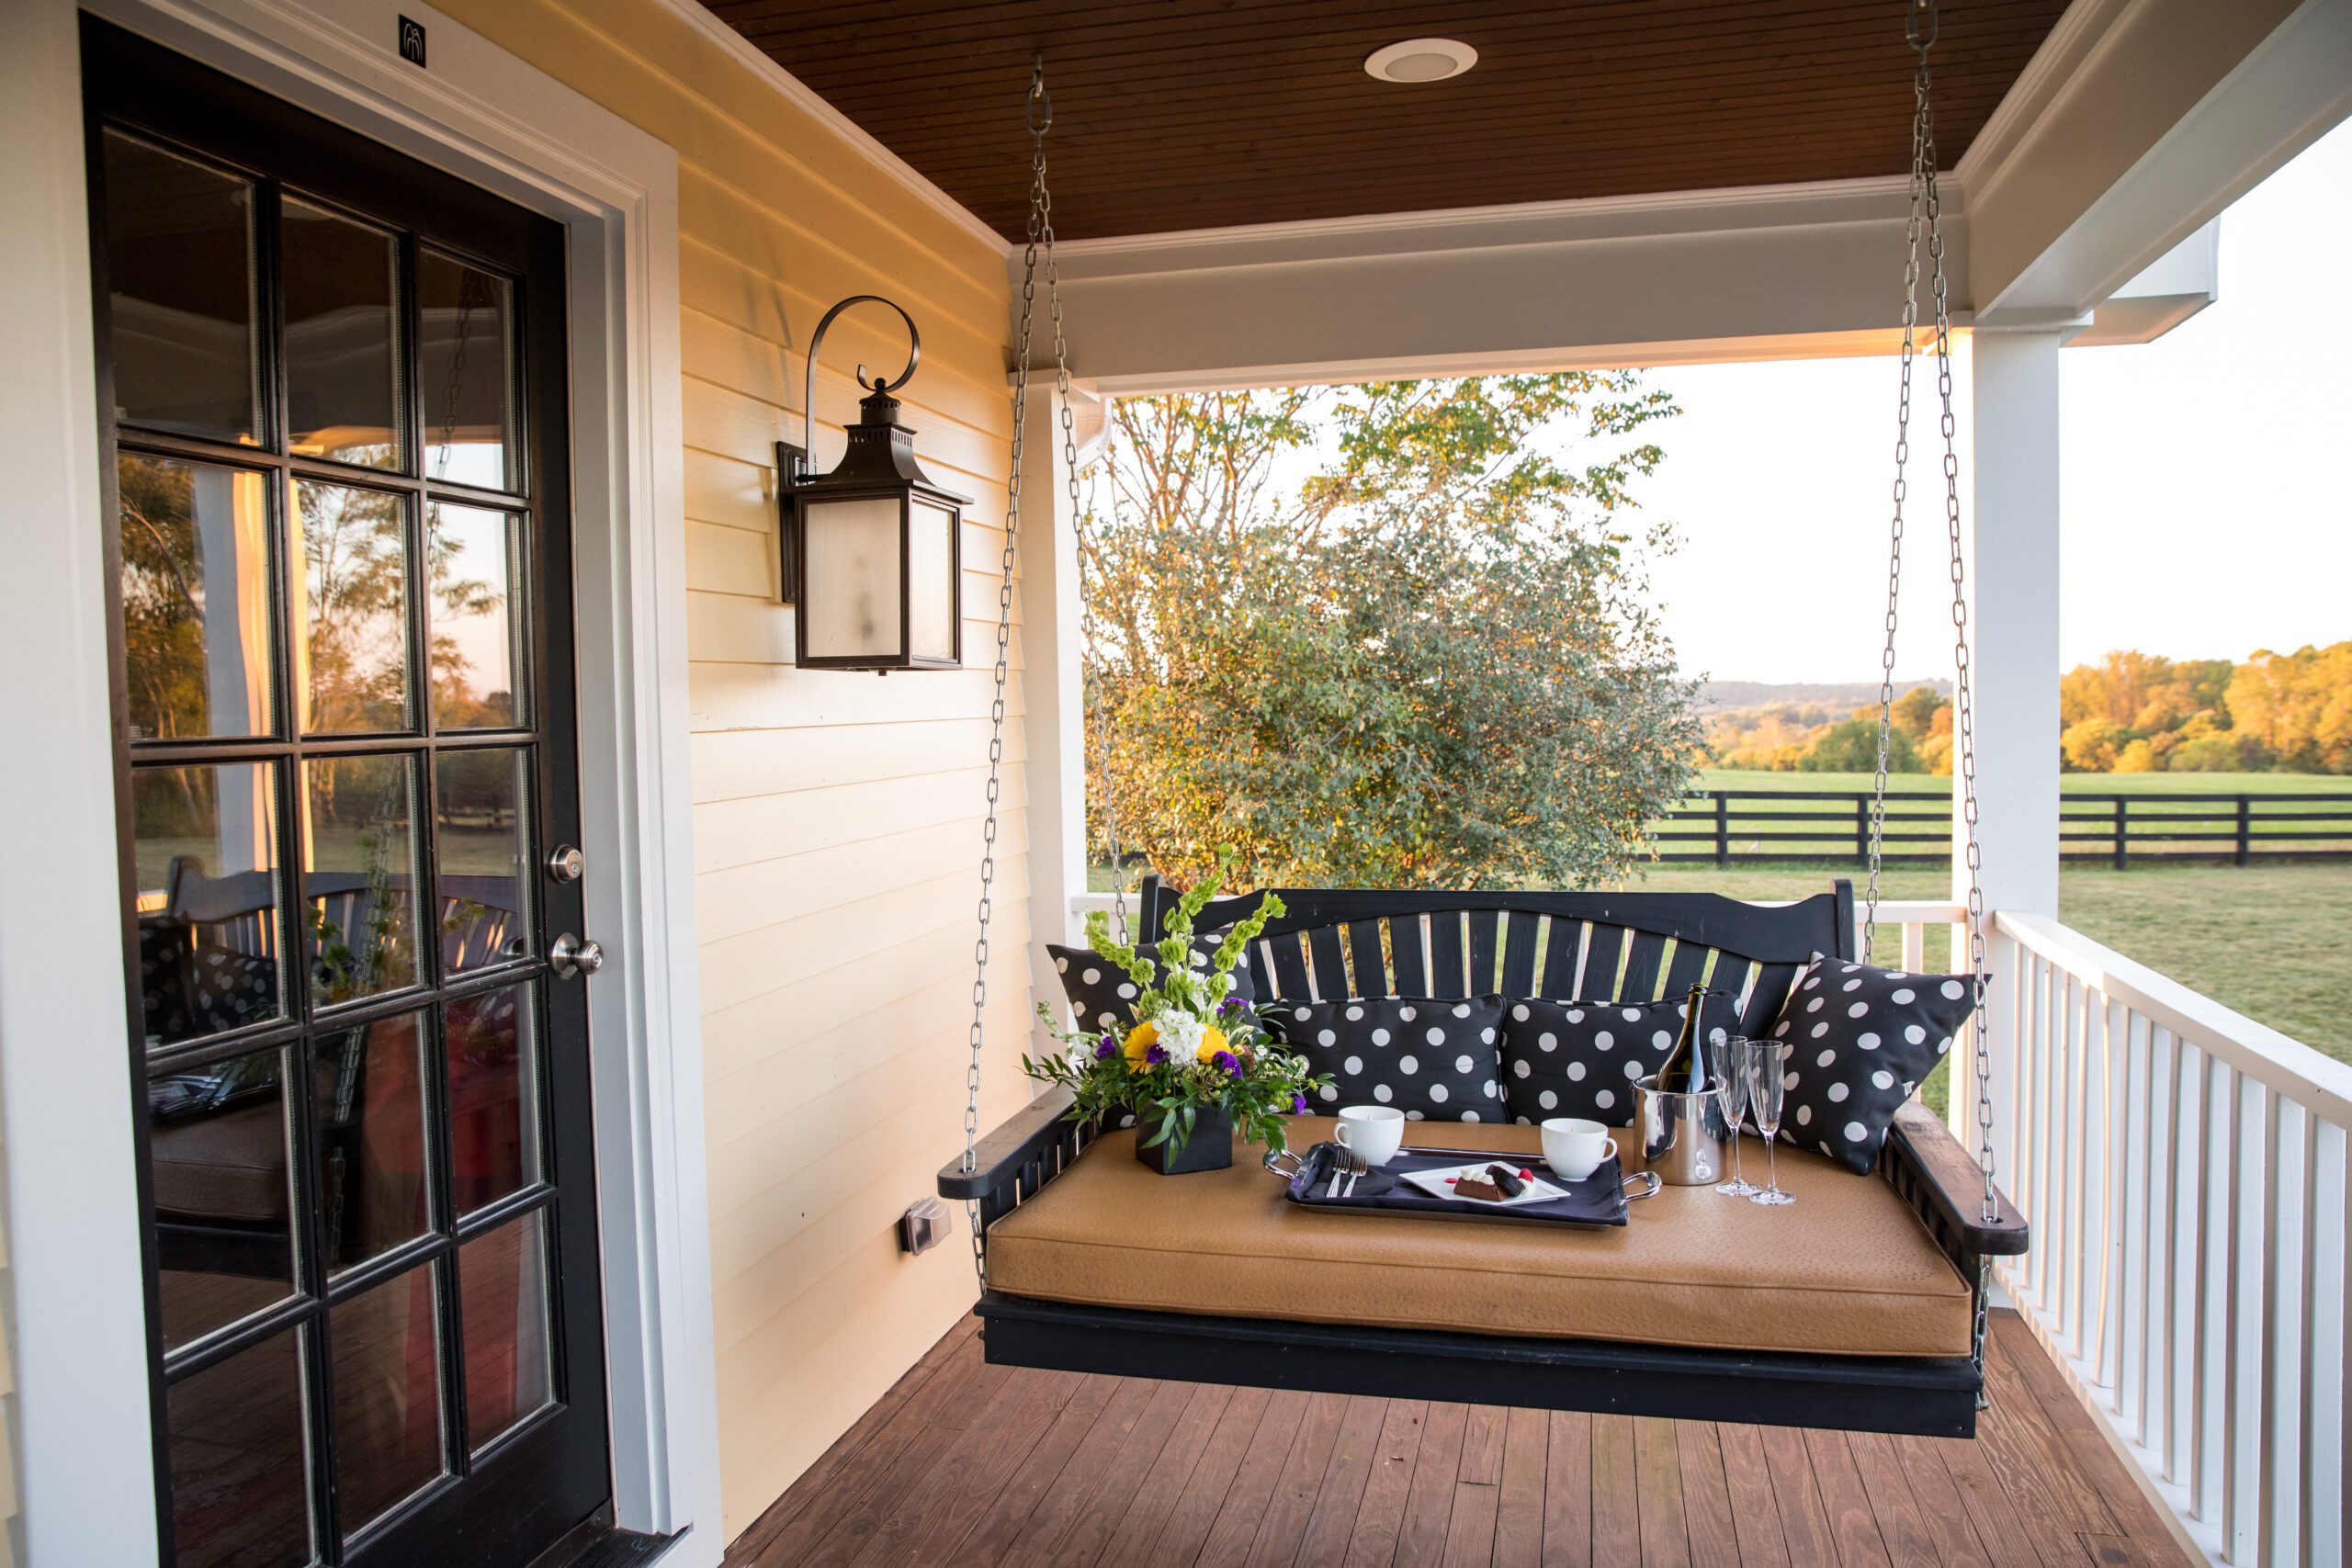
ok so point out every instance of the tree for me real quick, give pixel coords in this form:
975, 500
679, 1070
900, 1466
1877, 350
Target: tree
1425, 661
1916, 711
2091, 745
1852, 748
2297, 707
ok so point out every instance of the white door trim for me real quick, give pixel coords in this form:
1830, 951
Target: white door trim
489, 117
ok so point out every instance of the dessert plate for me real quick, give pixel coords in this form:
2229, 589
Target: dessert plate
1436, 1183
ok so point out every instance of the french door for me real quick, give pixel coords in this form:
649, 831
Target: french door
331, 387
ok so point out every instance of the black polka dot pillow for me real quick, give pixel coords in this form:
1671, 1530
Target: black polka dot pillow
1863, 1040
1435, 1060
1581, 1059
1100, 995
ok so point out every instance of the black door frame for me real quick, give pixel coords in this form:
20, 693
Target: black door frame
132, 82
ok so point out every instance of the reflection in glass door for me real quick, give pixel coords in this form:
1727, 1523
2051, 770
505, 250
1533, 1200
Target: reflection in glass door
334, 386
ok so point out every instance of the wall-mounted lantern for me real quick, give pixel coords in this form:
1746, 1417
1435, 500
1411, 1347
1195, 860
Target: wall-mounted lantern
873, 552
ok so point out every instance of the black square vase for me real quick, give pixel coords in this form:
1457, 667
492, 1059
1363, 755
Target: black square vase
1209, 1148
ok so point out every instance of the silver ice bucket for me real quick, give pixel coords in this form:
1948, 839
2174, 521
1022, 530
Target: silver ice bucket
1684, 1136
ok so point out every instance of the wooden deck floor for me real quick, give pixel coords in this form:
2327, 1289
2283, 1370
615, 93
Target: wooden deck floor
963, 1462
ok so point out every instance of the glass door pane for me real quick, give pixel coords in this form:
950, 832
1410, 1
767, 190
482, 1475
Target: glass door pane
183, 283
353, 645
197, 598
467, 359
344, 357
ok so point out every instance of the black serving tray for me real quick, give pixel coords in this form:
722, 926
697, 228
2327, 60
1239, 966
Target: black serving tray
1598, 1199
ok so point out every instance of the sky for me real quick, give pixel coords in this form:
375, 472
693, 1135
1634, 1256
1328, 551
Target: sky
2207, 509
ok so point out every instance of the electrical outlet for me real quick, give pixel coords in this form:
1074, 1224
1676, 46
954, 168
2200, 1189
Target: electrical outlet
924, 1226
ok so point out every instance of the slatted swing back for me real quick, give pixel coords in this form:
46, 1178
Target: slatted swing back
1621, 947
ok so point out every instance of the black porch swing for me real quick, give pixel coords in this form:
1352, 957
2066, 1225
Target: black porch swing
1454, 944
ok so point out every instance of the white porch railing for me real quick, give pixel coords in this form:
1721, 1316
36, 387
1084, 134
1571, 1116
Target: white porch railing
2184, 1171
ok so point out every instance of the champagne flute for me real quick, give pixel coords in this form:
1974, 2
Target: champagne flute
1728, 1058
1766, 1088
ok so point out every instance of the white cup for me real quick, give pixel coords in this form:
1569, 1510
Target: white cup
1575, 1148
1373, 1133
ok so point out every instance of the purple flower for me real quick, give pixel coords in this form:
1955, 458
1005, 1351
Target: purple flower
1298, 1105
1155, 1054
1228, 1061
1232, 1004
1106, 1049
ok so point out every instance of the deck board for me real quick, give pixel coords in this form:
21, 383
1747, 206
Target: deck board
968, 1463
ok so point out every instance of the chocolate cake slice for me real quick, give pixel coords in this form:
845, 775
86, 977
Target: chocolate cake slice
1482, 1186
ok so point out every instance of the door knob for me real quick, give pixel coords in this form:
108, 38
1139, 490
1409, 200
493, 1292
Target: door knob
568, 956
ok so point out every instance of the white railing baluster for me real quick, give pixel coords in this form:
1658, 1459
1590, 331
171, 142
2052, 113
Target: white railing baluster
2255, 1176
2188, 1288
2120, 1203
2328, 1456
2129, 1377
2218, 1287
2078, 1126
2164, 1241
2283, 1483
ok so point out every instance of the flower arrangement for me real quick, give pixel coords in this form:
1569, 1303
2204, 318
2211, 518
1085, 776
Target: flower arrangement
1194, 1046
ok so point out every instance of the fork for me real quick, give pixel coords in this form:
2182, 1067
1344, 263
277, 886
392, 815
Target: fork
1357, 1166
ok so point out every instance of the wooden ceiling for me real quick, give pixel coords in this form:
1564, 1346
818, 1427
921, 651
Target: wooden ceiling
1190, 114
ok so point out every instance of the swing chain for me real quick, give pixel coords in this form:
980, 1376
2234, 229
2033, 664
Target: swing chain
1040, 117
1964, 664
1921, 27
1098, 710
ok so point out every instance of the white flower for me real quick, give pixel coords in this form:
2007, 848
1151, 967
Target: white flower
1180, 1035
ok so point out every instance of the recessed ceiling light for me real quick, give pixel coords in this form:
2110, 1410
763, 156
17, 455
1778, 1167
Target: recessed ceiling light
1420, 59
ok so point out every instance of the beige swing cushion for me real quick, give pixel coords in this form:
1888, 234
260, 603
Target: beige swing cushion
1846, 1269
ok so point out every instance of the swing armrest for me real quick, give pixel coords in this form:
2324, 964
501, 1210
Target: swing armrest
1036, 1141
1940, 1179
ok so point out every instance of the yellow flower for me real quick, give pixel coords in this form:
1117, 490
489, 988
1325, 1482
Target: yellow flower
1212, 1041
1140, 1039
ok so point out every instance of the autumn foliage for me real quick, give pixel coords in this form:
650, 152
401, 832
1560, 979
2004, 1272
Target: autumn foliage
2130, 713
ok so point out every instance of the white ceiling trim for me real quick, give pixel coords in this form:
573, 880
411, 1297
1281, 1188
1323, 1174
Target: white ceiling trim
802, 98
2043, 83
2174, 114
1450, 228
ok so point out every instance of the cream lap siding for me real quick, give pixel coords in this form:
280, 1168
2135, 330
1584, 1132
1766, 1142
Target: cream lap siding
837, 819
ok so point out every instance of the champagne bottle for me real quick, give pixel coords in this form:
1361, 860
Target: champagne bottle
1685, 1071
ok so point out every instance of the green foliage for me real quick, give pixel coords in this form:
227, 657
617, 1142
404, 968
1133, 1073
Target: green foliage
1432, 661
1852, 747
1194, 1044
1807, 736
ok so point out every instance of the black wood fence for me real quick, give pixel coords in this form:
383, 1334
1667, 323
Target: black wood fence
1731, 825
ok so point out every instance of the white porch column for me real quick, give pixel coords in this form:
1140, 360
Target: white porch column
1053, 692
2010, 539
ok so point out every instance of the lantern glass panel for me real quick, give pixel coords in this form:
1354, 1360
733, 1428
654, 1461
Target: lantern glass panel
849, 592
931, 580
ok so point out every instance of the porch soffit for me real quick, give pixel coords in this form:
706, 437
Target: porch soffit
1175, 115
